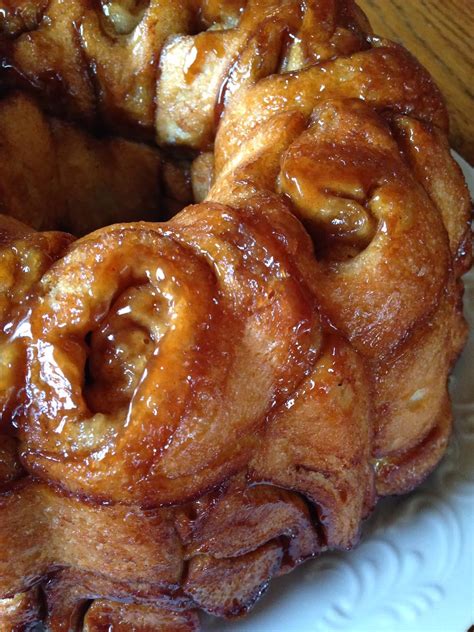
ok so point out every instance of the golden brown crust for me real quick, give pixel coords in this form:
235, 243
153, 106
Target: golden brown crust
25, 256
108, 615
193, 407
386, 77
64, 531
211, 314
184, 59
427, 151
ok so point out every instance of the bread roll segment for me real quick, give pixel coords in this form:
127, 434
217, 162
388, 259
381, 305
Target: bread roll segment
194, 406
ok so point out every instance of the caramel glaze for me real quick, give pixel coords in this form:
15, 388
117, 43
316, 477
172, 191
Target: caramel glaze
250, 313
202, 49
21, 612
144, 337
353, 176
72, 56
190, 408
20, 16
25, 256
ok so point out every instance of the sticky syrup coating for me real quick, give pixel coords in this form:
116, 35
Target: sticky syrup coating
191, 408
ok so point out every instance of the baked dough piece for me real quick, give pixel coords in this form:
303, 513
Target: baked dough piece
164, 68
217, 304
191, 408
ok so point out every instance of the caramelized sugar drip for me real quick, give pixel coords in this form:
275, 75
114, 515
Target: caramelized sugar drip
165, 68
24, 257
175, 317
193, 407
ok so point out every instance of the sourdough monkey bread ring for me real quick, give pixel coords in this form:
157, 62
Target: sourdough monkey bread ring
231, 248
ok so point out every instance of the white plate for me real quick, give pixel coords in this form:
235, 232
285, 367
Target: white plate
414, 570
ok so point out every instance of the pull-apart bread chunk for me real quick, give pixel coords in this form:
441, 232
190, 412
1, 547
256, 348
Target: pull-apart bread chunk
253, 345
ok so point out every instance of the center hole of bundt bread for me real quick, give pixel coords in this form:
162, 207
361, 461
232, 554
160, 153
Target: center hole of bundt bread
153, 188
130, 183
60, 175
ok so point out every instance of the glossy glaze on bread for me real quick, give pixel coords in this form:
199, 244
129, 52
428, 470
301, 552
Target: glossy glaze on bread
191, 407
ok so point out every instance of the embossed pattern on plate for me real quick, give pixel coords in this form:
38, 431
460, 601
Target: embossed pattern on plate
414, 570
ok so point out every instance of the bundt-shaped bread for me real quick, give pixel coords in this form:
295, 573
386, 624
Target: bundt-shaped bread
191, 407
